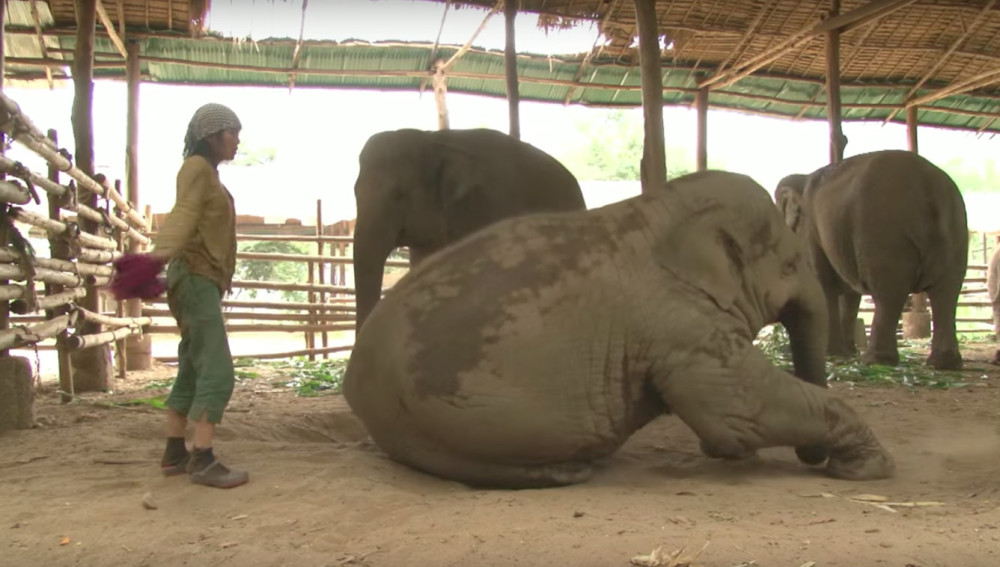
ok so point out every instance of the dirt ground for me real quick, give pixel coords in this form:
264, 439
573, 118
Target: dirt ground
320, 494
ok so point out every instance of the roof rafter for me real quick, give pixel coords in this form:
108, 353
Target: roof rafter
109, 25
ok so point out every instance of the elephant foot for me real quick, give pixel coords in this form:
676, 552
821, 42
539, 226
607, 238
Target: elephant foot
945, 360
886, 358
871, 463
730, 453
813, 455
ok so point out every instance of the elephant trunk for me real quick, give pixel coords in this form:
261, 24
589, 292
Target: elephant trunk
372, 247
805, 318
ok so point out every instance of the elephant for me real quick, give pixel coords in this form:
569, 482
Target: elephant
523, 354
886, 223
427, 189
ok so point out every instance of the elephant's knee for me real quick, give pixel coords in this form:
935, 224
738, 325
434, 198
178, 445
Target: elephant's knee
725, 448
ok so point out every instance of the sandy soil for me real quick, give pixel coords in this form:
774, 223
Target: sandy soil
321, 495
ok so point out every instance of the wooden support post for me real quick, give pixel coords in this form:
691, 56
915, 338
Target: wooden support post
833, 107
911, 128
917, 321
121, 308
701, 103
59, 250
510, 66
139, 348
440, 92
91, 367
4, 305
322, 268
653, 167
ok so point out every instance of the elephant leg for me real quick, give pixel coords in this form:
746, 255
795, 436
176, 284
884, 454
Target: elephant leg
945, 354
737, 411
882, 346
418, 254
850, 301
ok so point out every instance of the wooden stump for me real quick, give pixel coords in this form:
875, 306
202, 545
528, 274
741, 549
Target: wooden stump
860, 336
917, 325
16, 394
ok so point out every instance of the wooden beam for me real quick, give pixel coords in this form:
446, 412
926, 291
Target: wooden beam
843, 22
297, 54
109, 27
701, 105
750, 32
653, 167
972, 83
435, 62
911, 129
41, 41
440, 95
510, 68
833, 108
595, 49
138, 348
170, 14
4, 239
121, 19
461, 51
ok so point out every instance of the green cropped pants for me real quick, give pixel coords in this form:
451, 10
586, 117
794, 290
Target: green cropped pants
205, 374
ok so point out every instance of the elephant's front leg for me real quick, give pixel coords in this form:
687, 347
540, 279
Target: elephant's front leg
749, 405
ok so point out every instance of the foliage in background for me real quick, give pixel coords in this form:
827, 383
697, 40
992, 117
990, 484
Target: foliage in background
267, 270
609, 148
250, 155
314, 378
774, 343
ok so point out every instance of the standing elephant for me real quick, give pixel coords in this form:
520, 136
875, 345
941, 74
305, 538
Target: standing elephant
886, 223
518, 356
427, 189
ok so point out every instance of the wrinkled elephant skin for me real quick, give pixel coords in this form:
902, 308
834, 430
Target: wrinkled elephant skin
426, 190
888, 224
523, 353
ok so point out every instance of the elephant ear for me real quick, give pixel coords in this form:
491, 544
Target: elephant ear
461, 186
789, 197
704, 251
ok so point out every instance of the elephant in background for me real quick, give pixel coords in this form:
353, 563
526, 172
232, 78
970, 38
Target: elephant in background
427, 189
521, 354
886, 223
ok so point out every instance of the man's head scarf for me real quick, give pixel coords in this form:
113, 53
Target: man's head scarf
208, 120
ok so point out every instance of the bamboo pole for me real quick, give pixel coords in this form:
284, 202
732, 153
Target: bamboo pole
50, 300
701, 104
653, 166
440, 82
97, 256
510, 68
310, 258
10, 256
283, 306
16, 273
104, 338
292, 238
247, 284
138, 349
250, 315
911, 129
60, 251
277, 355
260, 328
14, 193
21, 336
324, 337
11, 292
4, 238
113, 322
58, 227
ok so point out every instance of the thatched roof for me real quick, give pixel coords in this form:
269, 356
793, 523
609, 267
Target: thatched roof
764, 56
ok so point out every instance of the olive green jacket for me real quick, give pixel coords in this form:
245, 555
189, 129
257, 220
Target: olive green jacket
201, 228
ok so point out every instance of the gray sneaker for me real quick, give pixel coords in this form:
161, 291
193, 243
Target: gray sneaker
220, 476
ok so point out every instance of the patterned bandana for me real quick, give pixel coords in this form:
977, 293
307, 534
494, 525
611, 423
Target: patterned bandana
208, 120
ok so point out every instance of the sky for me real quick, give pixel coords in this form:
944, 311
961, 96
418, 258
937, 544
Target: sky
319, 133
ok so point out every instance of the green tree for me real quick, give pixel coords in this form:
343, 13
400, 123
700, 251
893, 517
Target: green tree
610, 149
271, 271
249, 155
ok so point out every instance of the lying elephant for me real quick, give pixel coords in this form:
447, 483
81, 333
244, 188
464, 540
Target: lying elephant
886, 223
521, 354
428, 189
